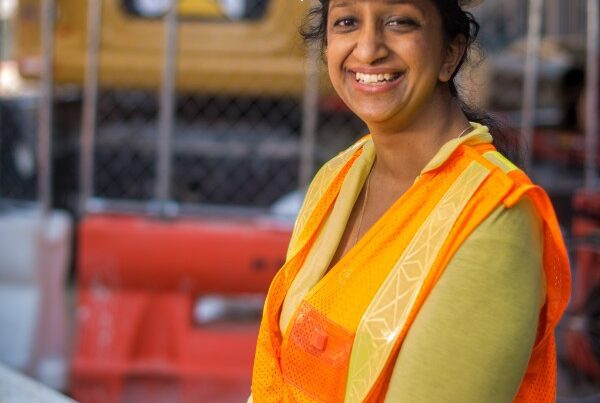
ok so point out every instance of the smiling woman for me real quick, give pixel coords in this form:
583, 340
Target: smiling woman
424, 266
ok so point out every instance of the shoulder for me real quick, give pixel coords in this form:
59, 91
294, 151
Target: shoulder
520, 219
515, 182
505, 252
327, 173
319, 184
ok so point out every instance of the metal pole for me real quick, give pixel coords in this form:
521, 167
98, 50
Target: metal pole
90, 102
591, 95
44, 130
4, 32
553, 18
513, 17
164, 161
534, 33
310, 112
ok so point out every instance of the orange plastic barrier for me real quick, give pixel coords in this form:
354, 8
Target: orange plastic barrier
138, 279
581, 344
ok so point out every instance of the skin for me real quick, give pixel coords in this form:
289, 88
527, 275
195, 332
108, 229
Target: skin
410, 117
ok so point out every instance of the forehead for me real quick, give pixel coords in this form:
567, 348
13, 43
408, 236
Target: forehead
347, 3
426, 6
427, 9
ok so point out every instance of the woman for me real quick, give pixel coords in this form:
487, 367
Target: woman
424, 266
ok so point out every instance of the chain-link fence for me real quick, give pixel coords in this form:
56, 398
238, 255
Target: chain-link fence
18, 116
240, 121
241, 118
227, 122
18, 179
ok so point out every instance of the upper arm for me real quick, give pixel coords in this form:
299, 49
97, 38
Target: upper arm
473, 337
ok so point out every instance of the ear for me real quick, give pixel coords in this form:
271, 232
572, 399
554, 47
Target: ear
454, 55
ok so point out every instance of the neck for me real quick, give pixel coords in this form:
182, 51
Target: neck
403, 153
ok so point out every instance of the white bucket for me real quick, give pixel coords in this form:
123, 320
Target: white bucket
34, 257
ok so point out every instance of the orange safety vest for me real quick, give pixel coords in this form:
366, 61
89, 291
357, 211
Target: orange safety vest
343, 339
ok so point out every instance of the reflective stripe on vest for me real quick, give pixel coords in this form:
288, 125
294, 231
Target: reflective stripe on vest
386, 317
328, 354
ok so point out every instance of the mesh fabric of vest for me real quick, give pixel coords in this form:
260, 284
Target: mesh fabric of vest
310, 362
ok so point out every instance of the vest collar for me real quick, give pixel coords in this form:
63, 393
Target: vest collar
479, 135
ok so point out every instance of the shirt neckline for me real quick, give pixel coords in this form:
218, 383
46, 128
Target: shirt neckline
479, 135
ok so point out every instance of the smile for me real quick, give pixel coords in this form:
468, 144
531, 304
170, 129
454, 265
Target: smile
380, 78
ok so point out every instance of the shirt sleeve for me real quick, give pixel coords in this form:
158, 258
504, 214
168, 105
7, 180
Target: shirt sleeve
473, 337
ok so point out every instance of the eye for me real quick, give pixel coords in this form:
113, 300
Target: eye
345, 22
402, 22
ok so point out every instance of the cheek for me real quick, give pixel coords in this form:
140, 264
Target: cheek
425, 60
434, 52
335, 55
331, 67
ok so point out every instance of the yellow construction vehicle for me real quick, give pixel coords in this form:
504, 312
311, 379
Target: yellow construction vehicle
235, 47
240, 64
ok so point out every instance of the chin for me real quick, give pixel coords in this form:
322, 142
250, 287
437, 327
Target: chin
376, 109
374, 116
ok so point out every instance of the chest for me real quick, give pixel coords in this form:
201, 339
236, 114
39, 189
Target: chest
373, 202
365, 297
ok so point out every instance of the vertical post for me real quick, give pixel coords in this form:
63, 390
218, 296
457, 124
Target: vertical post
553, 18
508, 16
534, 33
310, 112
2, 129
4, 33
591, 96
45, 121
90, 101
513, 18
164, 161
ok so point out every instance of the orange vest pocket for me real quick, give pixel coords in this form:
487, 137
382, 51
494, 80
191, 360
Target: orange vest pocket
315, 357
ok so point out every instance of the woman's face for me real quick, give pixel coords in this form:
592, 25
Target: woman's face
386, 57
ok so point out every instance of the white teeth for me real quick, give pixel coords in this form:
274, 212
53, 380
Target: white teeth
375, 78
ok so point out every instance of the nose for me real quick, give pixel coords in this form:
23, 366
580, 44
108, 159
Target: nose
370, 46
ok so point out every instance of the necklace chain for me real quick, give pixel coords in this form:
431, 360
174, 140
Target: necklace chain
364, 203
465, 131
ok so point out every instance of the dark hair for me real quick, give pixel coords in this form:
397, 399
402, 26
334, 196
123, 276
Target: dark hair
455, 22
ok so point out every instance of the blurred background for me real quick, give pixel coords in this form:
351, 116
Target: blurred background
154, 154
